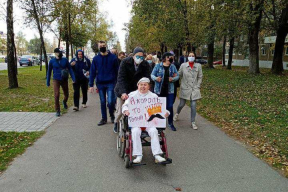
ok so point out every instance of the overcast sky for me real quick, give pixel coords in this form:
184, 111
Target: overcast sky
117, 12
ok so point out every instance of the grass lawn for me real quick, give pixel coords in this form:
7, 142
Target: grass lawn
33, 95
2, 60
251, 108
13, 144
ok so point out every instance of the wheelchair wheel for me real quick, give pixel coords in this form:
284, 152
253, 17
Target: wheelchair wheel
121, 143
127, 161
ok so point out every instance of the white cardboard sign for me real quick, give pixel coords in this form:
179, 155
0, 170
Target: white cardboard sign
147, 112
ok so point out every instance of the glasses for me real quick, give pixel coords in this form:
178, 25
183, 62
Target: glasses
139, 57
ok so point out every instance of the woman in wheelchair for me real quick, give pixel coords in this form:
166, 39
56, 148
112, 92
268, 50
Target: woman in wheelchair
143, 91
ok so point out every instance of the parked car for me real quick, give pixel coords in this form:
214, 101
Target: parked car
28, 60
201, 61
219, 62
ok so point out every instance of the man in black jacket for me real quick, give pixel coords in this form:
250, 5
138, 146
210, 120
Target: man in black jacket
131, 70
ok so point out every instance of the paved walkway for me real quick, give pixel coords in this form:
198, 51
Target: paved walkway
25, 121
77, 155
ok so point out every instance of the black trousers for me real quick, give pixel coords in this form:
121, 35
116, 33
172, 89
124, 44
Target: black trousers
83, 84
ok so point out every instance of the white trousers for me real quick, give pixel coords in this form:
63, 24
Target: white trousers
137, 145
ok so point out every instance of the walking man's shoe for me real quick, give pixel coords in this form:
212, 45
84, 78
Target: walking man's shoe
102, 122
193, 125
84, 105
75, 108
58, 114
65, 105
115, 128
112, 119
172, 127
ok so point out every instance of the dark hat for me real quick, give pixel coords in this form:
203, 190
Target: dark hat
57, 50
167, 54
137, 50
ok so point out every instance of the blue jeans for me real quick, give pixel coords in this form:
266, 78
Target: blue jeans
169, 107
109, 90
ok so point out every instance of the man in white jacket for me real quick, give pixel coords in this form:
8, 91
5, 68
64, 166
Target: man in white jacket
143, 91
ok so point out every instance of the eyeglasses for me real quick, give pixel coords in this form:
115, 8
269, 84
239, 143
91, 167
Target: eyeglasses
139, 57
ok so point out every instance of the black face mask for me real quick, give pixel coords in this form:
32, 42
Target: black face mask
60, 55
103, 49
171, 60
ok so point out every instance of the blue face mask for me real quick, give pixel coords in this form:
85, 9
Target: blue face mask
149, 61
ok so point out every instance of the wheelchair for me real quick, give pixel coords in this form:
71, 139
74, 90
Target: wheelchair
125, 145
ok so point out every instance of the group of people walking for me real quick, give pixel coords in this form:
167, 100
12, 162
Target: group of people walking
116, 76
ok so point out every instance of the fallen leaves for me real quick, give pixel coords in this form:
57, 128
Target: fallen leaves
252, 109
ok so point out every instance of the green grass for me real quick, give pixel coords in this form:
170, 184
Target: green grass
251, 108
33, 95
13, 144
2, 60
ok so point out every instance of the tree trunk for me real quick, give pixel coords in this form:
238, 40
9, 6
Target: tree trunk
277, 65
70, 35
162, 48
15, 54
224, 51
231, 47
253, 36
59, 40
72, 51
210, 54
41, 58
35, 15
12, 73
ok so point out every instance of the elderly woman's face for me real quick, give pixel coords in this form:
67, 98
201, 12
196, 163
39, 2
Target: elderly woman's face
191, 55
143, 87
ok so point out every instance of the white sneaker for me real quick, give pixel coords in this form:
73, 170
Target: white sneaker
175, 118
138, 159
84, 106
193, 125
159, 159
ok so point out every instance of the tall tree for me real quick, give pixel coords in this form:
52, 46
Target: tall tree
276, 13
12, 70
254, 12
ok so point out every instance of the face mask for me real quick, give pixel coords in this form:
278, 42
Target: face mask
171, 60
138, 61
191, 59
103, 49
149, 61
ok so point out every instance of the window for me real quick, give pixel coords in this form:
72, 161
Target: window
263, 50
272, 49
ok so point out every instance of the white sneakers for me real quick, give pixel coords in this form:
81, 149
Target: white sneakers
159, 159
138, 159
193, 125
175, 118
84, 105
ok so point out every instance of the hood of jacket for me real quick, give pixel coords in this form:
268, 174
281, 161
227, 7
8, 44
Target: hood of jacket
76, 55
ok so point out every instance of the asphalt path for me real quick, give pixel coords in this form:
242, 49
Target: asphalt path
77, 155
